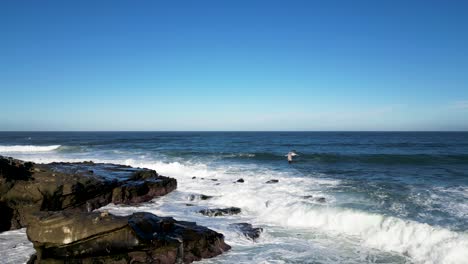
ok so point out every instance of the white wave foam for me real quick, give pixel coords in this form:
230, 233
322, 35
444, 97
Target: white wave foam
283, 205
422, 242
15, 247
27, 148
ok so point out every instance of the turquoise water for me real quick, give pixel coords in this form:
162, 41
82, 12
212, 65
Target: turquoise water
390, 197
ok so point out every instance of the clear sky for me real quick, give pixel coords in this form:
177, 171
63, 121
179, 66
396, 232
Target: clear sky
234, 65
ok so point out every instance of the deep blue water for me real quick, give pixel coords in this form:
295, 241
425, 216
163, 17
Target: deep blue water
415, 176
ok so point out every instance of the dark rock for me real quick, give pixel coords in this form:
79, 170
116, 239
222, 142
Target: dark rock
193, 197
221, 211
320, 199
214, 179
272, 181
137, 191
240, 180
194, 177
104, 238
248, 230
189, 204
15, 170
27, 188
317, 199
7, 215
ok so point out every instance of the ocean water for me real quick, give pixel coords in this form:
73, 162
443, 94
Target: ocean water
390, 197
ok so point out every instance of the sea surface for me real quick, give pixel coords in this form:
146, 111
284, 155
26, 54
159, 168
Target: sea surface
390, 197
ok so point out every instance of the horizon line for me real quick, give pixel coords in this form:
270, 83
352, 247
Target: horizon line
242, 131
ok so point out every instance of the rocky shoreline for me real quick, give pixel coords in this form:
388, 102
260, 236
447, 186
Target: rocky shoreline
55, 202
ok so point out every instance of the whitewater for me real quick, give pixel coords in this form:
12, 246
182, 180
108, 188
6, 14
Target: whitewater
298, 228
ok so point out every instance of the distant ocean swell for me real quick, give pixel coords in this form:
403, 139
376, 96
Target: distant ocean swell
362, 158
283, 204
385, 159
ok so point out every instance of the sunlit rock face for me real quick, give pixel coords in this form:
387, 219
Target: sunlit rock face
105, 238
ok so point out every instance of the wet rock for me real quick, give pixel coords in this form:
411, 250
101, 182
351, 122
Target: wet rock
320, 199
15, 170
7, 215
272, 181
189, 204
194, 177
137, 191
221, 211
316, 199
105, 238
214, 179
27, 188
193, 197
240, 180
248, 230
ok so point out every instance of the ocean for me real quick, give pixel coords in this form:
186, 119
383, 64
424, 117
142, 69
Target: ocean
348, 197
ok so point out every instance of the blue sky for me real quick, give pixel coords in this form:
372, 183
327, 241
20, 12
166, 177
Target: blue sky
233, 65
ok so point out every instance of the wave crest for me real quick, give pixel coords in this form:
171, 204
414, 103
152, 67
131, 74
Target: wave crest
27, 148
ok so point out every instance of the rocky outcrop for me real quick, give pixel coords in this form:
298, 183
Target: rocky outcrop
105, 238
248, 230
220, 211
27, 188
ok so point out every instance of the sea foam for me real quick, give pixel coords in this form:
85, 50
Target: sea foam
282, 206
27, 148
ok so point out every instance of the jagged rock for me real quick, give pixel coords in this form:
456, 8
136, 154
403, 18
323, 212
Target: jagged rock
272, 181
27, 188
137, 191
15, 170
105, 238
221, 211
248, 230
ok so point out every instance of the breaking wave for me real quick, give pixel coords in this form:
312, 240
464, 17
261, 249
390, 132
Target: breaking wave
27, 148
283, 205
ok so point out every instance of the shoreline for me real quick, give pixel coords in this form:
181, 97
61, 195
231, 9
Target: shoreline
33, 195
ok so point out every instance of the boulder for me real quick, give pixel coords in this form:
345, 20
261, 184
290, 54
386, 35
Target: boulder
240, 180
104, 238
248, 230
221, 211
27, 188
